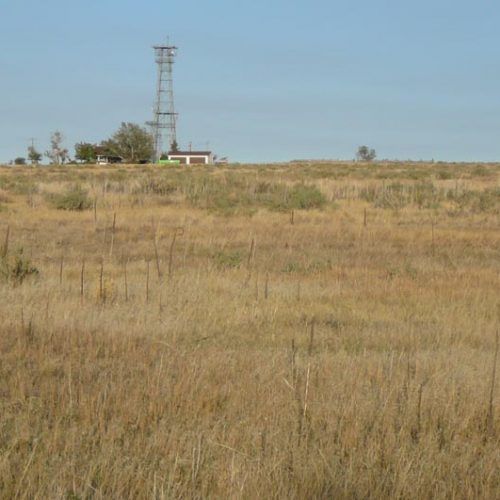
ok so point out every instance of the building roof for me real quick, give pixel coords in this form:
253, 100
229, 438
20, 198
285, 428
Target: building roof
190, 153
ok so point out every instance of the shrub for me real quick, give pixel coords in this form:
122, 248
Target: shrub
16, 267
237, 194
480, 171
19, 185
394, 197
74, 199
306, 197
368, 193
487, 200
300, 196
426, 195
292, 267
444, 175
416, 175
228, 259
157, 185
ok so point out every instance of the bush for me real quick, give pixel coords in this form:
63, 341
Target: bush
74, 199
480, 171
487, 200
306, 197
228, 259
156, 185
300, 196
396, 195
444, 175
292, 267
19, 185
16, 268
234, 193
426, 195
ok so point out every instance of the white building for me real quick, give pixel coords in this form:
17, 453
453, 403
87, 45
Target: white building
192, 157
107, 159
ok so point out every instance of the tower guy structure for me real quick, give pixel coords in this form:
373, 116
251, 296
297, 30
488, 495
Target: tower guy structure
165, 117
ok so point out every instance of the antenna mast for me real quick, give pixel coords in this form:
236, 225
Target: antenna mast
165, 117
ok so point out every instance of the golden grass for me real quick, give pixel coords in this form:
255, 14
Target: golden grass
320, 359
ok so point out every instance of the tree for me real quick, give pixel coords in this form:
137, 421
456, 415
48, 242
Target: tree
366, 154
85, 152
57, 153
20, 161
33, 155
132, 142
174, 148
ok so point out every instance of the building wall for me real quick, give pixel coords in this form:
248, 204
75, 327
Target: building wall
182, 159
191, 159
198, 159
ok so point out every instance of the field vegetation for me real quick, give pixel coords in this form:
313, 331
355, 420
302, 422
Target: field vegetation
305, 330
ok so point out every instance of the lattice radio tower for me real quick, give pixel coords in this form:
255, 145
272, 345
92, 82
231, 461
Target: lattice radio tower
165, 117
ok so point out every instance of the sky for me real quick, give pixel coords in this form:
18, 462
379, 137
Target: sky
261, 80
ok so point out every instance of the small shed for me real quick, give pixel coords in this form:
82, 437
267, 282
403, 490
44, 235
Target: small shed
107, 159
104, 157
192, 157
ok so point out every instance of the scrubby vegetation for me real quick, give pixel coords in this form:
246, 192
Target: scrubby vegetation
16, 268
75, 198
284, 331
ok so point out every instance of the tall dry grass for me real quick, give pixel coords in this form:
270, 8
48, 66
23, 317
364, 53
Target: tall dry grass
198, 334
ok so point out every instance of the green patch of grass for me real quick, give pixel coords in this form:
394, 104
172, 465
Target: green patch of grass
475, 201
301, 197
292, 268
233, 193
19, 185
312, 267
416, 175
228, 259
16, 267
74, 199
445, 175
480, 171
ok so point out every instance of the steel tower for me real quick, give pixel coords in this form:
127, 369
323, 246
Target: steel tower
165, 117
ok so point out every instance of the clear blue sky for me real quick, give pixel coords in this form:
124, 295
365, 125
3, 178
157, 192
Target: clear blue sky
263, 80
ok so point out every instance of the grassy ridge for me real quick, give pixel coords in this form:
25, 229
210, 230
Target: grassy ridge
295, 331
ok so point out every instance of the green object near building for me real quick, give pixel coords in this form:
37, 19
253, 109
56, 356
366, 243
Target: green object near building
169, 162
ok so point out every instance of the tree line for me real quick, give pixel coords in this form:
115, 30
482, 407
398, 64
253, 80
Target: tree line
131, 142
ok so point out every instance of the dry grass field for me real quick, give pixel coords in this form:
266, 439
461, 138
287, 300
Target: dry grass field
284, 331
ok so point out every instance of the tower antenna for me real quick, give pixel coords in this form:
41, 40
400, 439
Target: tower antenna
165, 117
